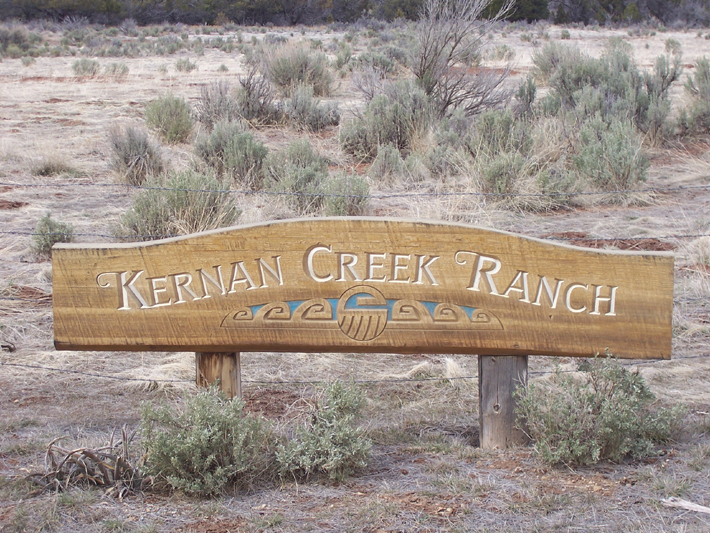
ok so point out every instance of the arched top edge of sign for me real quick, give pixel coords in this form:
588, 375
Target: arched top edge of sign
355, 220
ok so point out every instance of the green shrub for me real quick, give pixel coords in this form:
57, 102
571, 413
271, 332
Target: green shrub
14, 52
217, 103
234, 152
185, 65
565, 35
343, 56
135, 157
380, 63
116, 70
299, 173
388, 164
28, 61
606, 414
329, 443
186, 202
308, 113
207, 446
49, 232
171, 117
500, 173
400, 117
287, 68
86, 67
345, 195
610, 156
612, 86
17, 37
498, 131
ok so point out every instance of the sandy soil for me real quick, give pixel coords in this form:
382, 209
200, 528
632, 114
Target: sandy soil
427, 473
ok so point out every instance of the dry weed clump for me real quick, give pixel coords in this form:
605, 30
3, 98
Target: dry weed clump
345, 195
399, 116
256, 99
696, 119
329, 442
217, 103
207, 446
117, 71
210, 445
135, 157
52, 164
109, 467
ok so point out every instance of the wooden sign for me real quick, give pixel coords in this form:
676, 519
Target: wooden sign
362, 285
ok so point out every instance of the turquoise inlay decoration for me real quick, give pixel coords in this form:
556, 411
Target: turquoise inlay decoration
352, 304
430, 306
469, 311
255, 308
293, 305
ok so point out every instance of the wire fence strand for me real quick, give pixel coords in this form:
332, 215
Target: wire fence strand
249, 192
323, 382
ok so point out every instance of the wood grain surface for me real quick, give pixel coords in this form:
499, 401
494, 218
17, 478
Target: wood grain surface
362, 285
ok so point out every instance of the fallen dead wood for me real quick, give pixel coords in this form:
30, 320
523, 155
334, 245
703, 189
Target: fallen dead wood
685, 504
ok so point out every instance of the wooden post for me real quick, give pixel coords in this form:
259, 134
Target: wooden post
225, 367
498, 377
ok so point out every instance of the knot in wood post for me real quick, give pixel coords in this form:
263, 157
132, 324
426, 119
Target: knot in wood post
498, 378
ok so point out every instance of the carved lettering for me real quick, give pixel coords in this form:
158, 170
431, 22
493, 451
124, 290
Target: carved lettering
308, 263
126, 288
397, 268
275, 273
548, 290
568, 297
347, 261
372, 266
240, 275
521, 276
598, 299
217, 282
157, 291
423, 269
481, 272
182, 281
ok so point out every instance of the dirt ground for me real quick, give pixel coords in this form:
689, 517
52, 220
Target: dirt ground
427, 472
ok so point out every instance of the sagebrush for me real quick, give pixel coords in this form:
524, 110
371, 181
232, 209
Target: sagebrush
183, 203
299, 173
234, 152
606, 413
171, 117
135, 156
329, 442
48, 232
206, 446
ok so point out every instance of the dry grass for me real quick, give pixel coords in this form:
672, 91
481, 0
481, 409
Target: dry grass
427, 473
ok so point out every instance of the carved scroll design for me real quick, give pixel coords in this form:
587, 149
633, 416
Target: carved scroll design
362, 313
